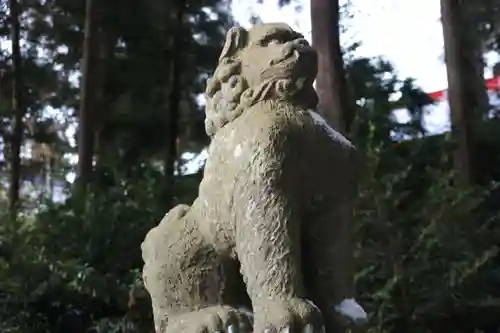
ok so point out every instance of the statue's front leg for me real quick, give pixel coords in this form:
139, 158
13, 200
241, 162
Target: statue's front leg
268, 248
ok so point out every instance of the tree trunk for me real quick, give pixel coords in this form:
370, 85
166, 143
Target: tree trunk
103, 101
18, 109
331, 83
464, 97
88, 96
173, 117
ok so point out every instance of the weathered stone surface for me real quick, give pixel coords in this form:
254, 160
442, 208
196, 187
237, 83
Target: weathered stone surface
269, 230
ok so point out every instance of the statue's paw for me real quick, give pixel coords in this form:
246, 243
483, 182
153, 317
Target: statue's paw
216, 319
288, 316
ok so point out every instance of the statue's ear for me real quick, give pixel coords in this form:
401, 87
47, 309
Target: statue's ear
236, 40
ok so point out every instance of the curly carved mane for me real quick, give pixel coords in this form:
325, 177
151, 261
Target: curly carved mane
228, 93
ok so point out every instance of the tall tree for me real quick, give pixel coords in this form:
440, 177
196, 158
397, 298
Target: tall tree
17, 106
89, 93
465, 100
331, 82
331, 86
173, 110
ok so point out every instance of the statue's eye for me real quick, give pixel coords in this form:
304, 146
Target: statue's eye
273, 42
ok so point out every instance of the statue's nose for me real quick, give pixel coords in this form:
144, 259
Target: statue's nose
301, 42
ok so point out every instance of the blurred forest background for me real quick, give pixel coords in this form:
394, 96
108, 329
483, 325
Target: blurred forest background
101, 132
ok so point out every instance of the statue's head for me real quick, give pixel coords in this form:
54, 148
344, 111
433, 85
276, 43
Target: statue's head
268, 61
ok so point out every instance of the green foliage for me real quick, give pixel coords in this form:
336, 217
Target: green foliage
374, 86
427, 258
64, 270
63, 265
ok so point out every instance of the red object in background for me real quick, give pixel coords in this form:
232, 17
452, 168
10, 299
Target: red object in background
438, 95
491, 84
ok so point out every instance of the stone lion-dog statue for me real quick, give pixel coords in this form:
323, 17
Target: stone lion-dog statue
261, 247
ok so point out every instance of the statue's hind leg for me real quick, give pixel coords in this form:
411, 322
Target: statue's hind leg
186, 278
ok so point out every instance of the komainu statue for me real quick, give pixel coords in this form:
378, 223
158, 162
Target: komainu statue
265, 246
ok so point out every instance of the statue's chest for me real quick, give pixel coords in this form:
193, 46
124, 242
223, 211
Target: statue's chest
216, 188
228, 155
216, 195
